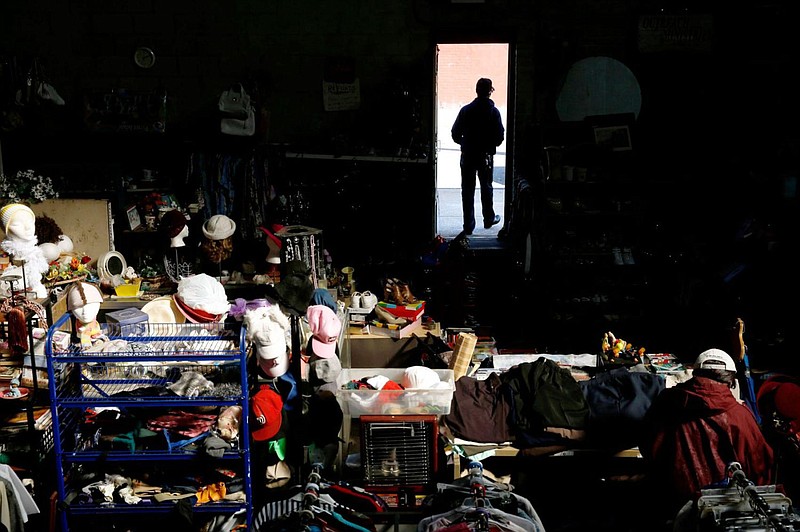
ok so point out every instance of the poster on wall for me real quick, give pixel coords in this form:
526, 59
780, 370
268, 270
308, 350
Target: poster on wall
340, 87
341, 96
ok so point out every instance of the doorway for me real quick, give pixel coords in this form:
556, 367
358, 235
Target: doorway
458, 67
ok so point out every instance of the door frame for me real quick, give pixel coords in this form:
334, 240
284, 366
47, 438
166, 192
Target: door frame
510, 125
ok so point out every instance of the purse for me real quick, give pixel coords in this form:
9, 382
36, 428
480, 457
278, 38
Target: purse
235, 101
240, 127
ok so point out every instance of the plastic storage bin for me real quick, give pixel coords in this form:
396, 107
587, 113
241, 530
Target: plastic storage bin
356, 403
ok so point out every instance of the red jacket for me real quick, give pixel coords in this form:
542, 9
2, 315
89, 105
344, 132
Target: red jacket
695, 430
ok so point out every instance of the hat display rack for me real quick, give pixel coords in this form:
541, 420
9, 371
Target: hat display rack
304, 243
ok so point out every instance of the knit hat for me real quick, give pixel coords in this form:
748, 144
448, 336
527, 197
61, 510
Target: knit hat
325, 328
172, 223
219, 227
82, 294
715, 359
267, 406
12, 209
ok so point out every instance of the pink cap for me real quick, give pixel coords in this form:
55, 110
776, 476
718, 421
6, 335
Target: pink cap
325, 329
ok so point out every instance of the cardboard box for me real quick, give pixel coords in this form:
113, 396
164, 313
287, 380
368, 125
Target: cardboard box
395, 331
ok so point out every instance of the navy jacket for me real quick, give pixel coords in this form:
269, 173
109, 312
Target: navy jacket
478, 127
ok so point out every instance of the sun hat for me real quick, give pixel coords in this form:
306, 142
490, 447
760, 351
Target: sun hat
163, 309
219, 227
715, 359
172, 223
12, 209
266, 404
201, 298
325, 328
295, 288
82, 294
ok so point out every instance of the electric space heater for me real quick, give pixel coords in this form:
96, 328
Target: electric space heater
399, 453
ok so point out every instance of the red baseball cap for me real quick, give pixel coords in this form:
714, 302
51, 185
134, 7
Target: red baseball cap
267, 404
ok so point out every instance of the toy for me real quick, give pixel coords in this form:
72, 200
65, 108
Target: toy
617, 350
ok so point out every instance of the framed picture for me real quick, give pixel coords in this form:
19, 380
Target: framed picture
617, 138
134, 221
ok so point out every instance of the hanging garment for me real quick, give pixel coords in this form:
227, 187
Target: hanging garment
26, 503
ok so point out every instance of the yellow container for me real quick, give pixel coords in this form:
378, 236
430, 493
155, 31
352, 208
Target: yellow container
130, 289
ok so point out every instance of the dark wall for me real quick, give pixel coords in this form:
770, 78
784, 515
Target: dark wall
725, 96
718, 120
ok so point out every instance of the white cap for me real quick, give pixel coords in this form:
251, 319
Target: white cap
12, 209
715, 359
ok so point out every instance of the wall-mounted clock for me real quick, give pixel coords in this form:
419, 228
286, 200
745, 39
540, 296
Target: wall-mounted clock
144, 57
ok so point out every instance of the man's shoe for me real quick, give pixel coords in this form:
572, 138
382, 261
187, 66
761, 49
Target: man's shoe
493, 222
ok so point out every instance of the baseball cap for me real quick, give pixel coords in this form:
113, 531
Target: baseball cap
270, 346
715, 359
267, 403
325, 328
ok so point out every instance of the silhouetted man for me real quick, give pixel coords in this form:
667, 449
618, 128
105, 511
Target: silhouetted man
478, 129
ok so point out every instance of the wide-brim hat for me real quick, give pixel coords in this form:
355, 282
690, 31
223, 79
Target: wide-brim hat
163, 310
195, 315
294, 290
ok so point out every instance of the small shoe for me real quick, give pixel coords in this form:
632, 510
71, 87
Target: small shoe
495, 221
355, 300
408, 297
368, 300
387, 317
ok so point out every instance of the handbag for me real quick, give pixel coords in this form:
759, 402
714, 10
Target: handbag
235, 101
240, 127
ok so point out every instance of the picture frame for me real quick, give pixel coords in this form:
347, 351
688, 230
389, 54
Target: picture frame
617, 138
134, 220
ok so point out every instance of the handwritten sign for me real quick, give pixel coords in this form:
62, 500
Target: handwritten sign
660, 33
338, 96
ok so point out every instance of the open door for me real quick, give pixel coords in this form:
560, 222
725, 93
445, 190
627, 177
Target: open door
457, 67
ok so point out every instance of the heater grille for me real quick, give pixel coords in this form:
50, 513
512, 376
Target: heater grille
398, 450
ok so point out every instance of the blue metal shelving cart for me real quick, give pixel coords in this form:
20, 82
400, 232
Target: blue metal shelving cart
134, 372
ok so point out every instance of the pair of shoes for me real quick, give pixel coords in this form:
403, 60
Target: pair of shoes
363, 300
387, 317
398, 292
495, 221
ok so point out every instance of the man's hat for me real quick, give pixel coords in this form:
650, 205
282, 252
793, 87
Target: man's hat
715, 359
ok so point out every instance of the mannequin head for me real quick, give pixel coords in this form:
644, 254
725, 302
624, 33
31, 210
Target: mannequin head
177, 240
173, 226
19, 222
83, 301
